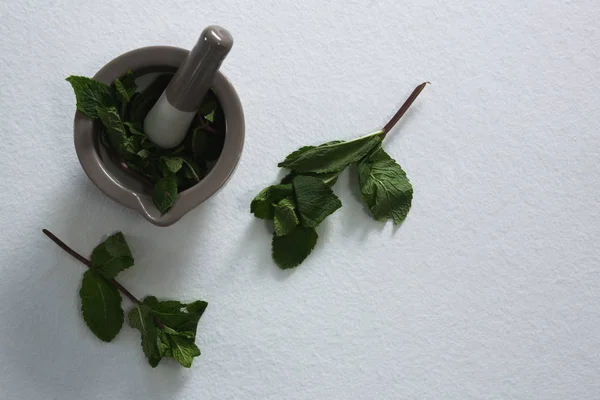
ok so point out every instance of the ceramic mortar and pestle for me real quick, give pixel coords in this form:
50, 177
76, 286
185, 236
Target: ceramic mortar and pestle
166, 124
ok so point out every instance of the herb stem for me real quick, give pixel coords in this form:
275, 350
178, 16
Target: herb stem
413, 96
88, 264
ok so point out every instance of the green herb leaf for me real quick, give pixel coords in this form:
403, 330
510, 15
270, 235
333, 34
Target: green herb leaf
304, 149
328, 178
263, 205
285, 218
177, 345
332, 156
123, 96
185, 334
192, 170
315, 200
143, 154
384, 187
207, 145
112, 256
128, 83
314, 169
168, 329
163, 342
178, 316
131, 145
164, 193
141, 318
173, 164
210, 117
290, 250
91, 95
184, 350
134, 129
101, 306
115, 130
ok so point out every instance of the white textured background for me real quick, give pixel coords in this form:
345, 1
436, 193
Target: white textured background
489, 290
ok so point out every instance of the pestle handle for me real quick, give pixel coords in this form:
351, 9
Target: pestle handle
195, 77
169, 119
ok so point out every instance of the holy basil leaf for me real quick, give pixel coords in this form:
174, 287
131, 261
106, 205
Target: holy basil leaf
285, 218
112, 256
263, 205
101, 306
164, 193
330, 157
385, 187
91, 95
315, 200
290, 250
142, 319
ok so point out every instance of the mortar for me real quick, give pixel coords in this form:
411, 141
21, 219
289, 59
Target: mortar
124, 188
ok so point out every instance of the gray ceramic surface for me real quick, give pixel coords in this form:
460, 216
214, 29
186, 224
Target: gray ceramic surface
124, 188
193, 80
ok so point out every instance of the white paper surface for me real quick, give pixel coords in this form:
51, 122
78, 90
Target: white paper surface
489, 290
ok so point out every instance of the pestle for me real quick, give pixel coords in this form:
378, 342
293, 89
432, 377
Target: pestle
169, 119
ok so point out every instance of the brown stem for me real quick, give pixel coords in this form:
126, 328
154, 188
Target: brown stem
413, 96
88, 264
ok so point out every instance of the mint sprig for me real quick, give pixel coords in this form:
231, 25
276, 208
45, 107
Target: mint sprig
91, 95
174, 337
304, 198
122, 108
168, 328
